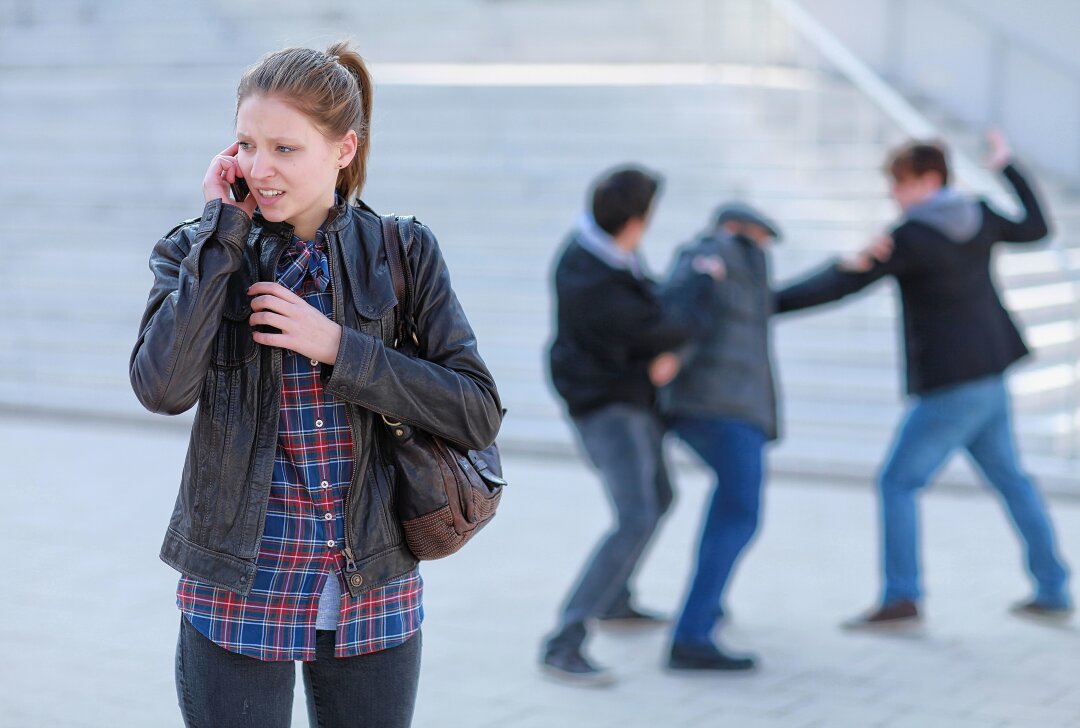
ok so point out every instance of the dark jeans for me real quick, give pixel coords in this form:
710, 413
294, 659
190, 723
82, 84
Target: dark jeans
217, 688
625, 443
732, 448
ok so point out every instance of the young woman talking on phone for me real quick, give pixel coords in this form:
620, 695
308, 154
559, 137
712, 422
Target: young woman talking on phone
274, 312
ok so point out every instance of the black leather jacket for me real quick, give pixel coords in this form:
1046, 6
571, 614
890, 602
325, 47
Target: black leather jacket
195, 345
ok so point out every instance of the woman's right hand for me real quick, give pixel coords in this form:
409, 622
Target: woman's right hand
223, 171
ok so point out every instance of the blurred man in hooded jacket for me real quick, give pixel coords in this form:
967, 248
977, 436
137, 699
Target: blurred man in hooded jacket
959, 341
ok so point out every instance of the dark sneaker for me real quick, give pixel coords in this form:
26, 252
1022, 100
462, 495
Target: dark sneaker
688, 656
1042, 611
570, 666
632, 618
892, 616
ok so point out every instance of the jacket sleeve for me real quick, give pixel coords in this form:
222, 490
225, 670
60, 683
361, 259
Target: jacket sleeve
191, 268
447, 391
690, 296
832, 283
1033, 226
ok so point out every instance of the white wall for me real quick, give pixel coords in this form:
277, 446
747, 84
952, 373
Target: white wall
986, 62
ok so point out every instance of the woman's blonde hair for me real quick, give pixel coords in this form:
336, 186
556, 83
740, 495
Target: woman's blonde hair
331, 87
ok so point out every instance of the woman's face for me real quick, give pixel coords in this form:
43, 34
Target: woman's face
290, 166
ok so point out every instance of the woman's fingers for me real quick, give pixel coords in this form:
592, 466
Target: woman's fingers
268, 288
224, 170
273, 304
279, 340
269, 318
229, 168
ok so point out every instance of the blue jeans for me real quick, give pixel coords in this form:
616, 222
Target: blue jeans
625, 444
216, 687
733, 449
974, 416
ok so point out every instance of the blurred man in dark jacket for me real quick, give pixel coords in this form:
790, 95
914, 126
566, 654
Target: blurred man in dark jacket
612, 322
959, 341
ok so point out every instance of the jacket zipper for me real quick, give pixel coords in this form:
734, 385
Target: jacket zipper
275, 359
353, 579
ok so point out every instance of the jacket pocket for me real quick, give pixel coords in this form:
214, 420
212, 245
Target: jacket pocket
383, 482
234, 345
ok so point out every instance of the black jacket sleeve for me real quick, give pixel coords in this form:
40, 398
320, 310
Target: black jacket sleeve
448, 391
191, 267
1032, 226
832, 283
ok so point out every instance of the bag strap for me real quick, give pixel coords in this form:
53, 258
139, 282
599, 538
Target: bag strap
397, 252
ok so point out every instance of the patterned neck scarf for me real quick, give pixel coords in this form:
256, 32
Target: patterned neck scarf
303, 258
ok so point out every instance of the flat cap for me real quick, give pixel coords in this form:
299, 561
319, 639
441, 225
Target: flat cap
741, 212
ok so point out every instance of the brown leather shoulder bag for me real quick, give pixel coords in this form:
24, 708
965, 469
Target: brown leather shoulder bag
444, 494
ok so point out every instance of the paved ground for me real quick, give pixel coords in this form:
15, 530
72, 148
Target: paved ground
88, 625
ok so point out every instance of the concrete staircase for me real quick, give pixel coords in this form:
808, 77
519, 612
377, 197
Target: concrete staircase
111, 127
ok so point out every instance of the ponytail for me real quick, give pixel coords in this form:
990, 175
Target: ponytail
351, 179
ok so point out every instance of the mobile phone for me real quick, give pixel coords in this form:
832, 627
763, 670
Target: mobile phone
240, 189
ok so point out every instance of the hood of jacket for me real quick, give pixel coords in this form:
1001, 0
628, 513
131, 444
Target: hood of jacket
953, 214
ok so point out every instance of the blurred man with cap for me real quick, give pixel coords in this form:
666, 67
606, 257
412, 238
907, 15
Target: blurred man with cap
723, 405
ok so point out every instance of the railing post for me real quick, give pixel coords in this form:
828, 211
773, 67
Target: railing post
895, 33
999, 52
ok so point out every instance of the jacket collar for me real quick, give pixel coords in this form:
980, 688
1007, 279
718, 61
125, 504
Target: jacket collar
336, 219
355, 232
357, 237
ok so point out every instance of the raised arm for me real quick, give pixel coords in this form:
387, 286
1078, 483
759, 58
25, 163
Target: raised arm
191, 268
1032, 226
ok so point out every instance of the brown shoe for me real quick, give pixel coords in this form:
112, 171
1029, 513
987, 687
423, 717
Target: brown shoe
1042, 612
892, 616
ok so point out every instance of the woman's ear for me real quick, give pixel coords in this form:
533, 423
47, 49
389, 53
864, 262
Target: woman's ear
347, 149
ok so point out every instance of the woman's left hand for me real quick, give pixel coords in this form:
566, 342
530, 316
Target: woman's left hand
304, 329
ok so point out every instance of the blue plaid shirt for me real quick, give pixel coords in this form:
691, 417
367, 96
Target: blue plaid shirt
305, 524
